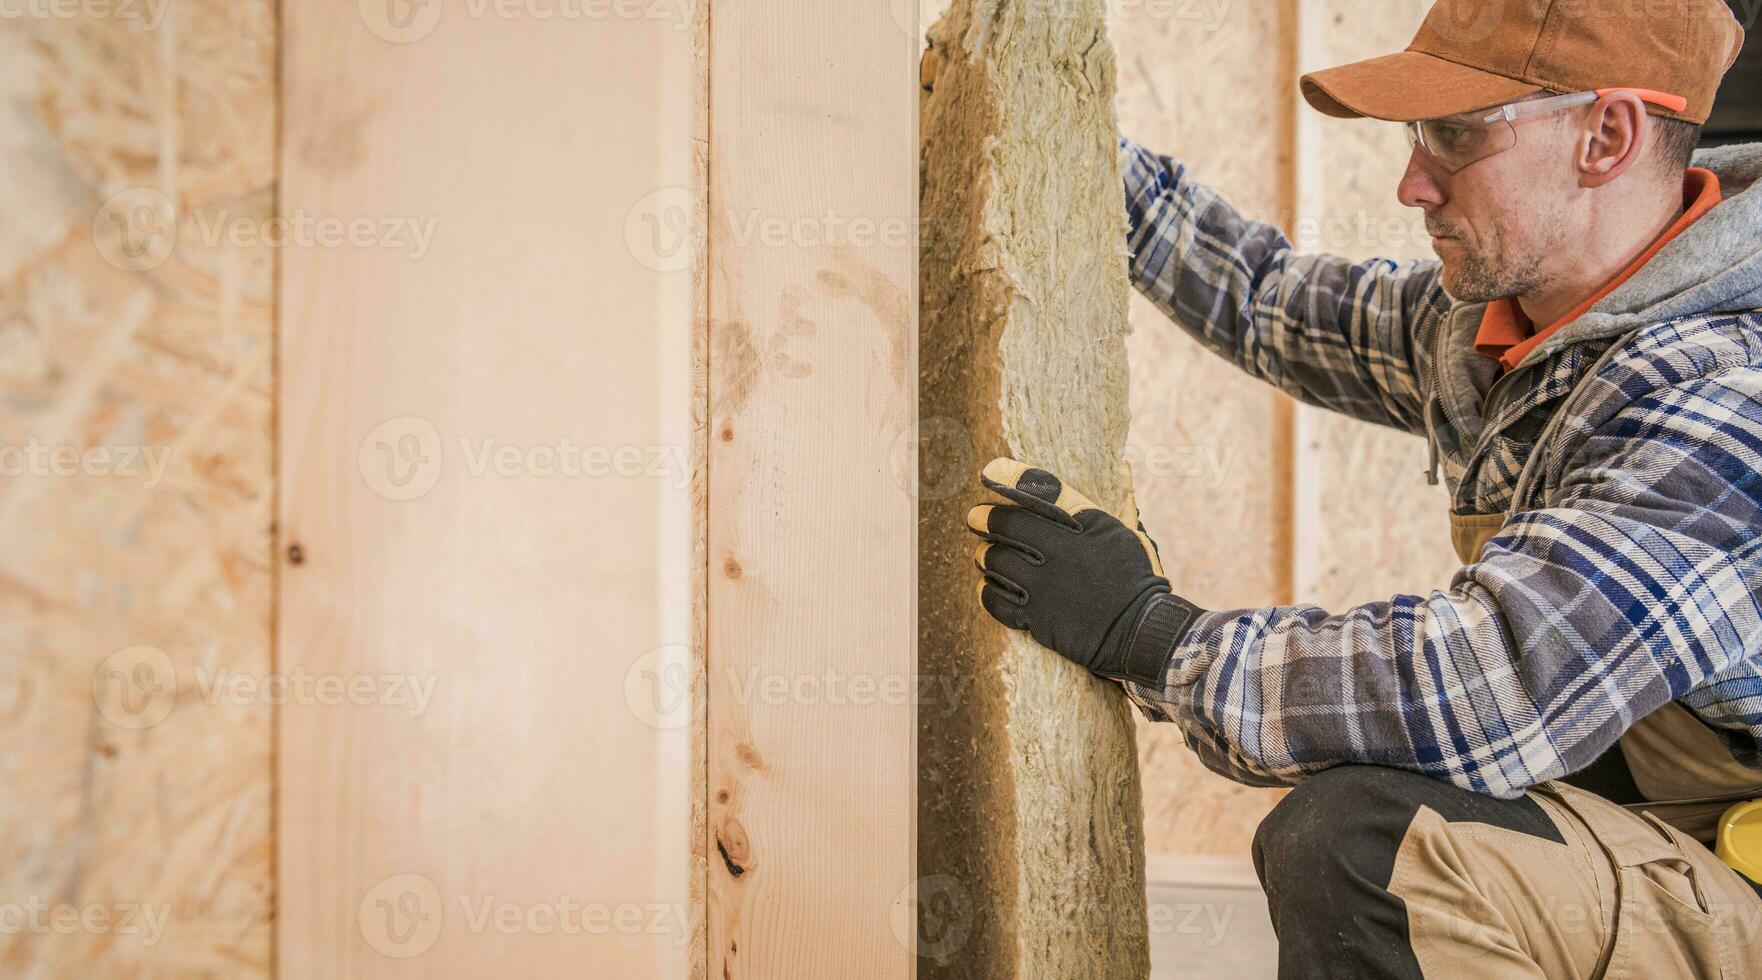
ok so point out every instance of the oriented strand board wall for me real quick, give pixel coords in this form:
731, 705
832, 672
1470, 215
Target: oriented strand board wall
135, 331
812, 675
485, 446
1030, 819
1369, 525
1211, 446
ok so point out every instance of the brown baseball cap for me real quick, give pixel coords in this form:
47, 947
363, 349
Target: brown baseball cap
1470, 54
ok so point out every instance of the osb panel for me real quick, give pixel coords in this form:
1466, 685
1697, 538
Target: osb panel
1209, 85
134, 584
1370, 526
1030, 818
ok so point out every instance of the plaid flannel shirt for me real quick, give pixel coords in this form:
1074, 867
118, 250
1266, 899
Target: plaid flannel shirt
1625, 578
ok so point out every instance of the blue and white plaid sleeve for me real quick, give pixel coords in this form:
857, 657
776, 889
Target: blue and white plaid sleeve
1635, 585
1324, 330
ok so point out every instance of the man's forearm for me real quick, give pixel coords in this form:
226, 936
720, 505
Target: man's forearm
1322, 329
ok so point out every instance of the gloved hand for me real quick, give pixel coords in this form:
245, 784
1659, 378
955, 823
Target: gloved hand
1078, 579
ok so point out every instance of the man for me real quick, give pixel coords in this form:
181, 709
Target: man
1585, 360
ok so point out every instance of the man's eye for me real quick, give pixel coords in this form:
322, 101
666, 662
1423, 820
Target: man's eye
1452, 136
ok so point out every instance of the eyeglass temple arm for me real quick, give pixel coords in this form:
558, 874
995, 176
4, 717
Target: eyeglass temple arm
1517, 110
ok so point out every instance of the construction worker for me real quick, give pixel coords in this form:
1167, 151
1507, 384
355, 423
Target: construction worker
1520, 774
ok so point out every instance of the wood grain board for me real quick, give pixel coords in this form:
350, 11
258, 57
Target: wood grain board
812, 545
487, 478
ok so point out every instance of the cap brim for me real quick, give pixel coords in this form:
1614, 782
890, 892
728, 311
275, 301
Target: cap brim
1408, 86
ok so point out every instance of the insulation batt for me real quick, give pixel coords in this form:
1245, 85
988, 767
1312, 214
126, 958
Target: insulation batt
1030, 814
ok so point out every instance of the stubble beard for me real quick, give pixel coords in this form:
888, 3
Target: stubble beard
1482, 275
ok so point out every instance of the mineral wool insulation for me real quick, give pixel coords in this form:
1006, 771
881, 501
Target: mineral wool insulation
1030, 817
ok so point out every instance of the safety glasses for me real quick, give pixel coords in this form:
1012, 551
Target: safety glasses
1459, 141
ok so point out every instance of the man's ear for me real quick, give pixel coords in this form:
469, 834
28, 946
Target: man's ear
1613, 139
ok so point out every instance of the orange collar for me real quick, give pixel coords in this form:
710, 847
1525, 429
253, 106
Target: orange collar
1507, 335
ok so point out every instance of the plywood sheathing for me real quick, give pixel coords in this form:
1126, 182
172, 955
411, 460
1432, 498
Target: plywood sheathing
1369, 526
165, 811
1030, 836
1213, 88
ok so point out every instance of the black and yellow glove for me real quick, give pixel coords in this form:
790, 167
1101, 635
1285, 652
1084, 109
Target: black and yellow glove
1078, 579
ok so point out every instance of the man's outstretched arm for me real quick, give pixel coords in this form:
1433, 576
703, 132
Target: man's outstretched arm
1324, 330
1636, 584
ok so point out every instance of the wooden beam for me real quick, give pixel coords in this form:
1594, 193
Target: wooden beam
486, 473
812, 560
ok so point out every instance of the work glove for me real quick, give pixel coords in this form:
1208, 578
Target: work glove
1079, 580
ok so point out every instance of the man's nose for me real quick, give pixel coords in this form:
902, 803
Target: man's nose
1420, 186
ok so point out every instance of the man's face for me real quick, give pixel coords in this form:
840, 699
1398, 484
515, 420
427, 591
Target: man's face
1497, 223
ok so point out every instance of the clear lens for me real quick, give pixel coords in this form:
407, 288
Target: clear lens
1456, 142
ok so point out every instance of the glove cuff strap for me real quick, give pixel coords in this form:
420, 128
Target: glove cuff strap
1161, 627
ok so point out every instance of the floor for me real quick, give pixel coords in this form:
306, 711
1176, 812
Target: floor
1201, 932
